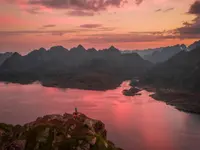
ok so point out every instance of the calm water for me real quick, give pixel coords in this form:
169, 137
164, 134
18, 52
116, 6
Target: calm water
133, 123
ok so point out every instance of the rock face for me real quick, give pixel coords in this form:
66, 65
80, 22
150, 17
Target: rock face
56, 132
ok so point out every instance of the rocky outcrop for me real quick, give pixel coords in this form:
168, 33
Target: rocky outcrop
132, 91
56, 132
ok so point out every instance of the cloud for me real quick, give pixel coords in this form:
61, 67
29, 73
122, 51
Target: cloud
89, 5
80, 13
107, 28
122, 38
82, 28
164, 11
158, 10
8, 20
138, 2
195, 8
74, 7
191, 30
90, 25
33, 10
25, 32
169, 9
49, 26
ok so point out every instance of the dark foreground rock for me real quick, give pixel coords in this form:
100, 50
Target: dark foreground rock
184, 101
56, 132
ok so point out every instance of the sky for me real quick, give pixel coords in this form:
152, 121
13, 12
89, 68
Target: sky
127, 24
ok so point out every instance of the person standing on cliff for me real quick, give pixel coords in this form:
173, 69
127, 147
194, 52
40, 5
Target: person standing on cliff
76, 110
76, 114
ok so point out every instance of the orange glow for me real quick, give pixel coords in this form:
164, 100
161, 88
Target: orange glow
21, 16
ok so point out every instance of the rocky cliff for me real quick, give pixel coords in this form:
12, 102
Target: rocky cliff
56, 132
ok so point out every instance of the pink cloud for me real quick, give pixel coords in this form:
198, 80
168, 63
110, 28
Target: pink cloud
10, 20
74, 7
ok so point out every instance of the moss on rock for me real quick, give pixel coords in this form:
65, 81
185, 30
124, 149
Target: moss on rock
56, 132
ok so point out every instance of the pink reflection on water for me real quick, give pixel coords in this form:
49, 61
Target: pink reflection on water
137, 122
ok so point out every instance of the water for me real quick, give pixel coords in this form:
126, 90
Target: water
133, 123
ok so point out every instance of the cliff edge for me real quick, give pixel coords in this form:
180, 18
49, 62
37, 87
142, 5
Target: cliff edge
56, 132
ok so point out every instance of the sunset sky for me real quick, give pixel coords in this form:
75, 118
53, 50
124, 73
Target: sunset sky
127, 24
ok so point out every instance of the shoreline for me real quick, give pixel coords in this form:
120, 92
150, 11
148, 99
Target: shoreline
97, 83
185, 104
182, 100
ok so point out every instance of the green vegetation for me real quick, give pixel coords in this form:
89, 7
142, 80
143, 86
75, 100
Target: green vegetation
56, 132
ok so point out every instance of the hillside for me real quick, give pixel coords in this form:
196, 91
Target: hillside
181, 72
164, 54
74, 68
4, 56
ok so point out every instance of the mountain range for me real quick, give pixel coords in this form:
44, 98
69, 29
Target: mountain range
162, 54
103, 69
74, 68
181, 71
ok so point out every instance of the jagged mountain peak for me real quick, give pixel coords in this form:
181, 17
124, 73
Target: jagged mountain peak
16, 54
58, 47
80, 46
112, 48
92, 50
42, 49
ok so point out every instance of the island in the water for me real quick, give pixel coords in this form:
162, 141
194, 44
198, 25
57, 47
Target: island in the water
56, 132
176, 78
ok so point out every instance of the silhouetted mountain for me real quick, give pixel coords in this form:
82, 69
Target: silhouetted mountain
92, 50
12, 63
78, 49
142, 53
56, 52
60, 67
194, 45
4, 56
58, 49
181, 71
158, 55
164, 53
113, 49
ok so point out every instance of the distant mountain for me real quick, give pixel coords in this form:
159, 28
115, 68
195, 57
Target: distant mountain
182, 71
158, 55
194, 45
4, 56
142, 53
78, 49
62, 67
164, 53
